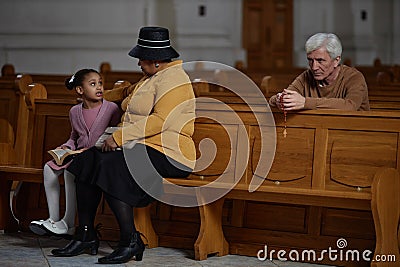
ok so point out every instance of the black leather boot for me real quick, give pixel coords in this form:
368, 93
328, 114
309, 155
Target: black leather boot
123, 254
85, 241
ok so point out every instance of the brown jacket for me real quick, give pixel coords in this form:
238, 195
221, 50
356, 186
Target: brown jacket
348, 92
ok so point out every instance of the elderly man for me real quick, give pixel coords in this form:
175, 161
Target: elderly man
326, 84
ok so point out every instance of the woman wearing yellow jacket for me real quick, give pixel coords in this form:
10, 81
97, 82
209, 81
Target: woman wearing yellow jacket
154, 141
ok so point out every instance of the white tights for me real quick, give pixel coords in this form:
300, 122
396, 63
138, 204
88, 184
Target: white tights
52, 188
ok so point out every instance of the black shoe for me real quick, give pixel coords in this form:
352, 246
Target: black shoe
84, 241
76, 247
124, 254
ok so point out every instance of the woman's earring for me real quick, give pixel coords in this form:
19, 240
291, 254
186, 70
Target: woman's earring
157, 65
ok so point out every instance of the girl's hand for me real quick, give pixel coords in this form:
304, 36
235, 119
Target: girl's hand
109, 145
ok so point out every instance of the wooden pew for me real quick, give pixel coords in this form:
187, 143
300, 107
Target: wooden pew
54, 83
13, 91
20, 131
42, 125
384, 103
377, 78
8, 97
40, 132
9, 100
371, 72
272, 85
213, 77
354, 145
17, 148
110, 77
384, 96
338, 160
8, 70
55, 86
13, 88
356, 175
268, 81
278, 81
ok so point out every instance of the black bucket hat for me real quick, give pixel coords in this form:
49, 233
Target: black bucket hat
153, 44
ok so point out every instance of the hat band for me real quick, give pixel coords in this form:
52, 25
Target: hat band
153, 41
153, 44
146, 46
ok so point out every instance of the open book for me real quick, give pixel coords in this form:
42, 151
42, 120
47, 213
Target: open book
60, 154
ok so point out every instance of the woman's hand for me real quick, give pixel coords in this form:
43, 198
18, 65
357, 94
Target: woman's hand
109, 144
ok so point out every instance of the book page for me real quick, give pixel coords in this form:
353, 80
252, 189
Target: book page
60, 152
60, 155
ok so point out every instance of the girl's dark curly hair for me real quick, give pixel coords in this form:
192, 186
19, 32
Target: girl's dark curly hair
77, 78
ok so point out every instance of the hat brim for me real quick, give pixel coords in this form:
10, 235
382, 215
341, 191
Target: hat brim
153, 53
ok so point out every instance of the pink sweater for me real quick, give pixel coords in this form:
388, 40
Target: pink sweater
81, 136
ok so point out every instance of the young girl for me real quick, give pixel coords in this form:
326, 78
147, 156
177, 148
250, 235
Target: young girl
88, 119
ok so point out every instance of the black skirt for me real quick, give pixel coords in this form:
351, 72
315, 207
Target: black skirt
133, 176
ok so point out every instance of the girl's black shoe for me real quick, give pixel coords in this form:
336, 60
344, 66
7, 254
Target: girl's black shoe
123, 254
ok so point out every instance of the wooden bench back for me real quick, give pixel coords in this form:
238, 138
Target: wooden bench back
391, 89
387, 101
110, 77
367, 140
324, 150
9, 101
328, 158
8, 70
55, 86
377, 79
21, 103
213, 77
384, 103
373, 74
273, 84
7, 136
334, 151
43, 123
